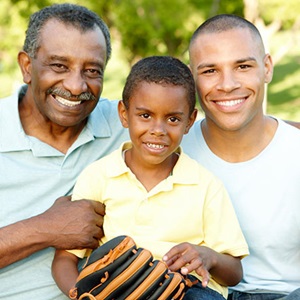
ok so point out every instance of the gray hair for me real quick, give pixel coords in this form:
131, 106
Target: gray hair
78, 16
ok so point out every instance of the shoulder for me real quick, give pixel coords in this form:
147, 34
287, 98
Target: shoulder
293, 123
10, 103
193, 132
285, 144
9, 113
105, 121
5, 101
104, 161
107, 107
195, 170
287, 131
109, 163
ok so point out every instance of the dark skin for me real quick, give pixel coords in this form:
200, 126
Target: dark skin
59, 227
57, 119
158, 113
205, 262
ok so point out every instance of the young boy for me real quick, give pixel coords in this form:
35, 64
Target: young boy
156, 194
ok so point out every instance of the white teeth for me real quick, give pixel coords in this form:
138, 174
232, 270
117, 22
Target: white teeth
155, 146
67, 102
229, 103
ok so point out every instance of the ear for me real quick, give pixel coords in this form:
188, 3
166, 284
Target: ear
123, 114
191, 121
25, 65
268, 68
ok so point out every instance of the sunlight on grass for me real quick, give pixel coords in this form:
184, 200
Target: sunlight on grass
287, 83
284, 90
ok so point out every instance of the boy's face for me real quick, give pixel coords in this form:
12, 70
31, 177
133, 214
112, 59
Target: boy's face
157, 118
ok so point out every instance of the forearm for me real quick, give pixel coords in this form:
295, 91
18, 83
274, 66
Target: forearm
226, 269
65, 225
20, 240
64, 270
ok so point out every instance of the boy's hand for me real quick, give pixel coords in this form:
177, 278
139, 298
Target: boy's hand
188, 257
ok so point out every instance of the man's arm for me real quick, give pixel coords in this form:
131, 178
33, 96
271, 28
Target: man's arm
65, 225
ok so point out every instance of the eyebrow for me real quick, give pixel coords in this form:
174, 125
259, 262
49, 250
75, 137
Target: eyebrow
239, 61
250, 58
65, 59
201, 66
169, 114
57, 57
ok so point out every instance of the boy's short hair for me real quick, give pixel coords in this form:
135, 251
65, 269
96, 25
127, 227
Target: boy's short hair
164, 70
70, 14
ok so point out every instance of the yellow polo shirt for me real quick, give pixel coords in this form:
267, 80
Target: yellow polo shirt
191, 205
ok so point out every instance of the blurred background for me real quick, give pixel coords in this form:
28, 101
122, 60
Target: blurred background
141, 28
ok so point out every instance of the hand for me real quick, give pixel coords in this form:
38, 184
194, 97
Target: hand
73, 224
188, 257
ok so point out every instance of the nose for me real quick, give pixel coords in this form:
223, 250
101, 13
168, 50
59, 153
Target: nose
158, 128
75, 82
228, 82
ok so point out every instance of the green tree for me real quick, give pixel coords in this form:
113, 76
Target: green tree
148, 27
163, 27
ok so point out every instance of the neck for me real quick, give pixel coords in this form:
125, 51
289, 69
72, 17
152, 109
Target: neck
150, 176
242, 144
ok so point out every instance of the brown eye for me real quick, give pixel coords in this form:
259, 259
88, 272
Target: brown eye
173, 119
145, 116
58, 68
94, 73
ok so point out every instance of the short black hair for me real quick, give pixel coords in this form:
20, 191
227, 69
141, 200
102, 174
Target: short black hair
161, 70
71, 14
224, 22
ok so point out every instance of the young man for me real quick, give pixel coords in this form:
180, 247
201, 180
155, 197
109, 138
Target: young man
156, 194
256, 156
49, 131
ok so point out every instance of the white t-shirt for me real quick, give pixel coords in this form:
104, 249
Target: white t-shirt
265, 192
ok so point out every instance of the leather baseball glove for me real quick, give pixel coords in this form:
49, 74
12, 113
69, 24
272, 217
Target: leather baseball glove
118, 270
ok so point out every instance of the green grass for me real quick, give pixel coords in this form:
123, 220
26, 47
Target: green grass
284, 91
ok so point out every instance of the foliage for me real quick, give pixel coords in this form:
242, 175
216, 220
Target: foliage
147, 27
287, 12
154, 27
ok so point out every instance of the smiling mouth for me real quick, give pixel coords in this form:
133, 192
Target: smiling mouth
66, 102
229, 102
155, 146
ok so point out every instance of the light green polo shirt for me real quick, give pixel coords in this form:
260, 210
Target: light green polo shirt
191, 205
33, 175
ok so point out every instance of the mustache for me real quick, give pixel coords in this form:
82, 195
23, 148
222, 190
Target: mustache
67, 95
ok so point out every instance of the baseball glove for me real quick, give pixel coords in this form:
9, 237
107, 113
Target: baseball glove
118, 270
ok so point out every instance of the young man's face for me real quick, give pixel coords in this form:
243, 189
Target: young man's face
67, 61
157, 118
230, 70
